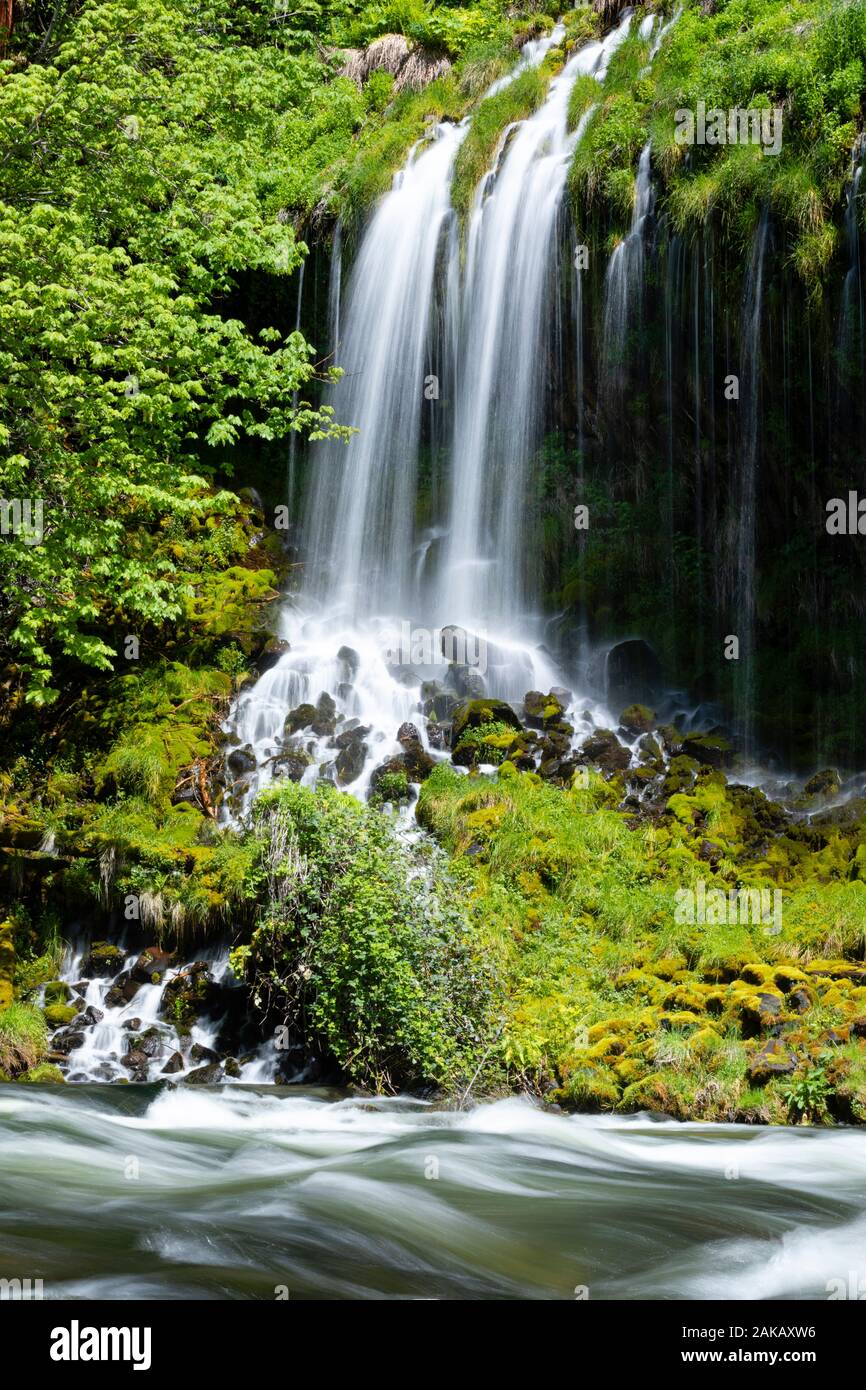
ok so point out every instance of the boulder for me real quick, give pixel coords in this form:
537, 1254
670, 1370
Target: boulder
103, 959
603, 749
711, 750
59, 1015
209, 1075
152, 965
122, 991
350, 762
773, 1059
637, 719
351, 661
826, 783
291, 763
467, 681
471, 713
301, 717
67, 1039
273, 651
174, 1064
241, 761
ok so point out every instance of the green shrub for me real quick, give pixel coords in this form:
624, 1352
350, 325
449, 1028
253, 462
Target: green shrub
370, 961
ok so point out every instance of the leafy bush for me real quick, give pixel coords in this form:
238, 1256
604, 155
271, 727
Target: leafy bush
364, 951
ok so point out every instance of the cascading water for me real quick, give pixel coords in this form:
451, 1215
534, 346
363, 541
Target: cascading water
368, 581
747, 481
146, 1015
509, 274
623, 287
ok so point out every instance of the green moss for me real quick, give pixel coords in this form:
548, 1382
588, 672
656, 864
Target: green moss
42, 1074
23, 1038
517, 101
58, 1015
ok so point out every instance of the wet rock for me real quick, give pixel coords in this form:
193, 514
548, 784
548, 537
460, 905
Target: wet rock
467, 681
199, 1053
649, 752
123, 991
637, 719
174, 1064
632, 672
90, 1016
132, 1024
350, 762
104, 959
437, 735
292, 763
558, 769
136, 1062
241, 761
441, 705
542, 710
151, 1043
671, 738
231, 1067
826, 783
152, 965
350, 660
603, 749
710, 750
204, 1076
353, 731
301, 717
273, 651
417, 761
800, 1002
189, 994
408, 734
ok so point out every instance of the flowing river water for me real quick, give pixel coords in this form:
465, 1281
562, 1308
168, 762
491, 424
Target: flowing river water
117, 1192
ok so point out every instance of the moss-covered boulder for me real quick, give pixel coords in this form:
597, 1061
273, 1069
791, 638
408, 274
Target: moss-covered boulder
637, 719
603, 750
710, 750
59, 1015
103, 958
45, 1073
472, 713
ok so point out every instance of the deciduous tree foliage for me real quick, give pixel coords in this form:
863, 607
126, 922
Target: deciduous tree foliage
137, 163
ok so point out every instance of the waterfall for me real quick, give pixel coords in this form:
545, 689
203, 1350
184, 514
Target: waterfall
293, 441
746, 482
623, 288
852, 330
509, 276
360, 517
414, 332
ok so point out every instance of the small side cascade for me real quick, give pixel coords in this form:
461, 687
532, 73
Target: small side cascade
124, 1013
